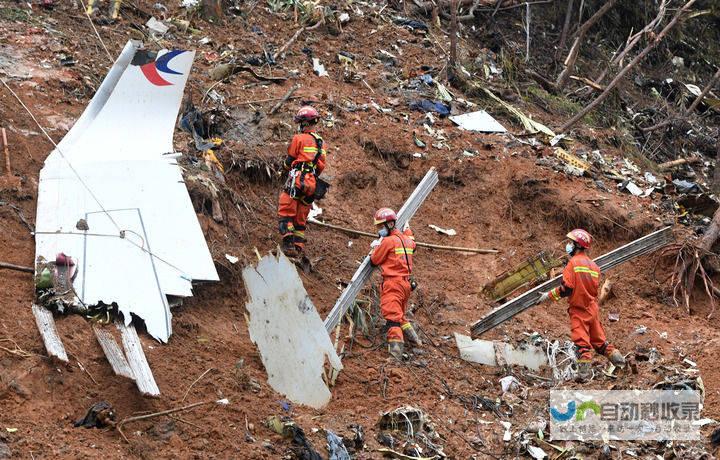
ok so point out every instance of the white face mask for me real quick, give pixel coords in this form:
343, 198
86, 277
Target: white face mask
569, 248
383, 232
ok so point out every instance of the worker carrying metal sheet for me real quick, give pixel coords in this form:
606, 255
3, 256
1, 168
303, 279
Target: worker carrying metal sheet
580, 282
393, 253
304, 163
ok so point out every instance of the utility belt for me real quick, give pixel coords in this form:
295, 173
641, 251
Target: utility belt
295, 183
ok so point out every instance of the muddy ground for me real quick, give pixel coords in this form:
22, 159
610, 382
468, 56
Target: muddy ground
491, 199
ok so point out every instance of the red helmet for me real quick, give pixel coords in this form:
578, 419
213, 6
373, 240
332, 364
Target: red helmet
384, 215
306, 113
581, 237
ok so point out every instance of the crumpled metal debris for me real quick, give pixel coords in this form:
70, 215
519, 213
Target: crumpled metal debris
336, 448
444, 231
416, 428
426, 105
99, 415
302, 447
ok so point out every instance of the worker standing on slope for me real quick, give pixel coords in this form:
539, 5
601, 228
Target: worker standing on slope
393, 253
305, 161
580, 283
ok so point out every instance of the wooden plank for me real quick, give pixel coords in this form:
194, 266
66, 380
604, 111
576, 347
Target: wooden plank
362, 274
113, 353
137, 360
46, 325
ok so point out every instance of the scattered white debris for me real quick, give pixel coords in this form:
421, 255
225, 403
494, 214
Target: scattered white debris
704, 421
556, 140
507, 436
157, 27
189, 4
479, 121
496, 353
443, 93
536, 452
641, 329
315, 212
509, 384
293, 342
444, 231
390, 55
613, 317
651, 179
690, 363
319, 69
232, 259
223, 402
205, 41
344, 18
377, 107
631, 187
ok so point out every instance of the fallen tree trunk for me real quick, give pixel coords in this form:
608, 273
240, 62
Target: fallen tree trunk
626, 69
679, 162
284, 99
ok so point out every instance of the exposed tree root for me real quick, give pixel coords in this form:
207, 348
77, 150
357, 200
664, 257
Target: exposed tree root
689, 260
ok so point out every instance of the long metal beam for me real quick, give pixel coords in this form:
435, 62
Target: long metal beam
362, 275
504, 312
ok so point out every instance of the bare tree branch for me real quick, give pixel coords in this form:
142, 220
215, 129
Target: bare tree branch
627, 68
575, 49
634, 40
566, 28
692, 106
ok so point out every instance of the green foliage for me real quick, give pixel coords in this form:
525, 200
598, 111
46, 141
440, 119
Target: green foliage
556, 104
14, 14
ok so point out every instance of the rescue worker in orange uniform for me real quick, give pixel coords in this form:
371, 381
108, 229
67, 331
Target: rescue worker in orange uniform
580, 283
305, 161
393, 253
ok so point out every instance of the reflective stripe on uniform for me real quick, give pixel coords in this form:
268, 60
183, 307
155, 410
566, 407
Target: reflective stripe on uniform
404, 251
310, 149
555, 294
406, 326
587, 270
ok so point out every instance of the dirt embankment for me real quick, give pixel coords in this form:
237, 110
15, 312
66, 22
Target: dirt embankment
496, 197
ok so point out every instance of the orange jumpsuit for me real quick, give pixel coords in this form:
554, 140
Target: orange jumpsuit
390, 256
297, 195
581, 279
